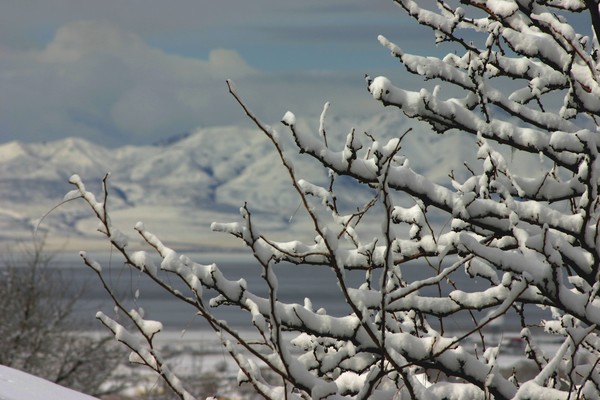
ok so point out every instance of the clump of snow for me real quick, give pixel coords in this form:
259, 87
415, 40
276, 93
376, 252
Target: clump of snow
289, 119
92, 263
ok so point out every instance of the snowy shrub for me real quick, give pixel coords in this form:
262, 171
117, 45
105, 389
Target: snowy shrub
520, 81
36, 330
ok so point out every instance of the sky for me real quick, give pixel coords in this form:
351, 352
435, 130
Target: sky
122, 72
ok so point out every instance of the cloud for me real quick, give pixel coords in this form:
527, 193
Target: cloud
106, 84
98, 81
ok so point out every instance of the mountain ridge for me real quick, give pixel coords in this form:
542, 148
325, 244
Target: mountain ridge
207, 173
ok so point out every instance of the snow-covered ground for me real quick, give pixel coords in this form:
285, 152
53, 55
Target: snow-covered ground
17, 385
197, 356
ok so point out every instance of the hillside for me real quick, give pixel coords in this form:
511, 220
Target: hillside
178, 187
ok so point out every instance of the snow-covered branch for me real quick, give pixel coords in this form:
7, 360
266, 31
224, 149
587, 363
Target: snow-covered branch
498, 243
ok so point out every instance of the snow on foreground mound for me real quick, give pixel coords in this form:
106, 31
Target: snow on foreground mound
17, 385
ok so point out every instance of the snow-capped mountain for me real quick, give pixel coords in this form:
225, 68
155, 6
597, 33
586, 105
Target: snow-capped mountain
180, 186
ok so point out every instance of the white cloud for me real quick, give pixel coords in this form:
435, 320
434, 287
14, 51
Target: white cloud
75, 41
94, 80
98, 81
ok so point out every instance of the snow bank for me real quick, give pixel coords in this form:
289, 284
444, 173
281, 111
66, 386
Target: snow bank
17, 385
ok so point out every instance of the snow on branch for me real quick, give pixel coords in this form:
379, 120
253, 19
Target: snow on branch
450, 261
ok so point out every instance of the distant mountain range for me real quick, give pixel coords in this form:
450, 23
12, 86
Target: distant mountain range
179, 186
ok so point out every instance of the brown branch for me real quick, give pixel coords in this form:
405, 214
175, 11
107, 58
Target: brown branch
592, 6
